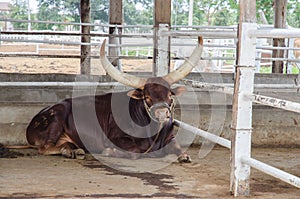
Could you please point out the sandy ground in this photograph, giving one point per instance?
(35, 176)
(57, 65)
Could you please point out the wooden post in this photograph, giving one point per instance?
(242, 103)
(280, 22)
(115, 18)
(85, 60)
(162, 22)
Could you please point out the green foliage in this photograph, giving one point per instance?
(205, 12)
(19, 10)
(294, 18)
(99, 10)
(266, 6)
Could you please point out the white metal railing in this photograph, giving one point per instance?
(219, 52)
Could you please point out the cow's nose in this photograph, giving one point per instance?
(162, 114)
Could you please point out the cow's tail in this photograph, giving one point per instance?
(19, 146)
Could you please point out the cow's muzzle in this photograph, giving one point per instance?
(160, 112)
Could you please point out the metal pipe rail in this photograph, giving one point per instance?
(272, 171)
(205, 34)
(274, 33)
(277, 103)
(228, 88)
(68, 56)
(278, 59)
(214, 87)
(277, 173)
(209, 136)
(76, 23)
(276, 48)
(57, 84)
(70, 33)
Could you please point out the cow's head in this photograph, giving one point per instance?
(156, 92)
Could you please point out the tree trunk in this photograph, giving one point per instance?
(85, 60)
(280, 22)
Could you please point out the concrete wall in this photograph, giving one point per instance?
(206, 109)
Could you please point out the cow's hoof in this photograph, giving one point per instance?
(79, 154)
(184, 158)
(67, 153)
(108, 152)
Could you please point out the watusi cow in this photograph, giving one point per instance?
(133, 124)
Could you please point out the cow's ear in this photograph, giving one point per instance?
(178, 90)
(136, 94)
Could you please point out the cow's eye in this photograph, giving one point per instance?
(148, 99)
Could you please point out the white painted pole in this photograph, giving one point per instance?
(242, 107)
(275, 33)
(242, 130)
(191, 9)
(209, 136)
(163, 48)
(277, 103)
(277, 173)
(215, 87)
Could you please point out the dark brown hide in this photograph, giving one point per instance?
(115, 121)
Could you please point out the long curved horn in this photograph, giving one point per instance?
(129, 80)
(187, 66)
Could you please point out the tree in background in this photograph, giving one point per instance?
(206, 12)
(99, 11)
(19, 10)
(49, 11)
(294, 18)
(138, 12)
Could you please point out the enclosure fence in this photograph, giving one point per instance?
(242, 115)
(136, 42)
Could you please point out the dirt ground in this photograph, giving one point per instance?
(57, 65)
(36, 176)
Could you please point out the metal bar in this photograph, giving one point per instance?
(57, 84)
(228, 88)
(204, 34)
(70, 33)
(75, 23)
(209, 136)
(279, 59)
(48, 42)
(279, 48)
(277, 173)
(75, 43)
(204, 27)
(214, 87)
(277, 103)
(275, 33)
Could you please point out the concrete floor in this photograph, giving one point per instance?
(36, 176)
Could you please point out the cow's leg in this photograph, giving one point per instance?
(64, 146)
(112, 152)
(66, 149)
(49, 149)
(174, 148)
(69, 150)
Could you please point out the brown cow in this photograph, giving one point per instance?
(297, 45)
(130, 124)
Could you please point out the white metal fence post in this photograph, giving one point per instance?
(242, 105)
